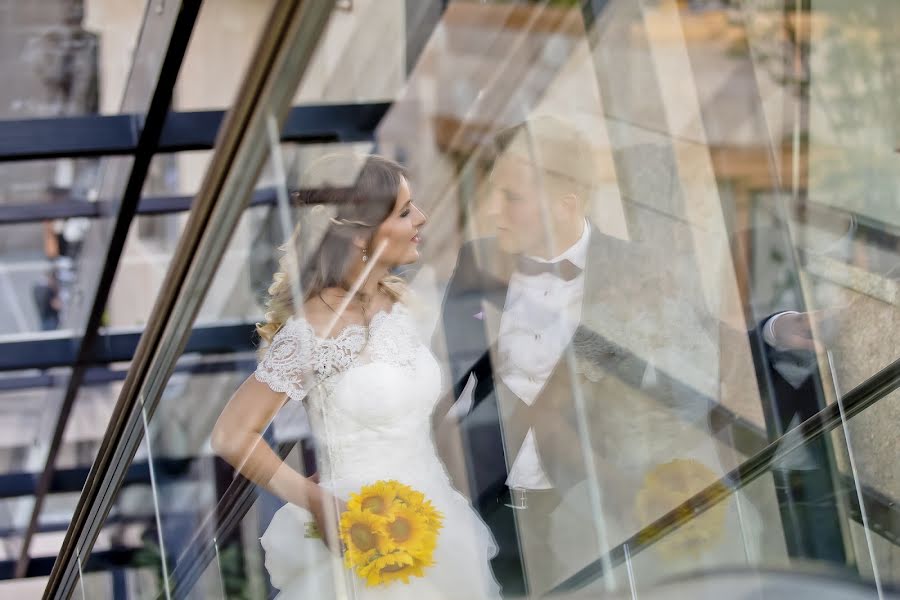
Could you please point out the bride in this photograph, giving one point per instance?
(350, 351)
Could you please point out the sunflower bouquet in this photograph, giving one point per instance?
(669, 485)
(389, 532)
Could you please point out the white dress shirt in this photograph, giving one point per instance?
(539, 319)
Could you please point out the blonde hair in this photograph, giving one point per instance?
(363, 189)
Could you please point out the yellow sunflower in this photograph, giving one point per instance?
(409, 530)
(390, 532)
(396, 566)
(433, 516)
(364, 537)
(376, 498)
(666, 487)
(407, 495)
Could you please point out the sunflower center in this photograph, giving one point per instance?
(392, 568)
(363, 537)
(400, 530)
(374, 504)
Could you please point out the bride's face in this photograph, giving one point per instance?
(399, 233)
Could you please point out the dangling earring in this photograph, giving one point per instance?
(365, 257)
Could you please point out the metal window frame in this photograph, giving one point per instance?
(293, 30)
(147, 143)
(102, 375)
(51, 351)
(117, 135)
(143, 137)
(71, 480)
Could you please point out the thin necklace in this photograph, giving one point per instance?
(362, 306)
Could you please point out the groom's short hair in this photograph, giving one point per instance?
(553, 145)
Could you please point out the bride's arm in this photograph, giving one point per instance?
(237, 438)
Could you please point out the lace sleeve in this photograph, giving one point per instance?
(287, 361)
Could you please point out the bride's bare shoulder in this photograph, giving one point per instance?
(317, 315)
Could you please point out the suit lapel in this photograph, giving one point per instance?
(496, 268)
(587, 345)
(497, 288)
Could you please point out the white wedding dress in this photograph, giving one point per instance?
(369, 393)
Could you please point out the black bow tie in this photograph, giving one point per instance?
(564, 269)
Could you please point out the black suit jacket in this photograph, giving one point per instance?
(593, 381)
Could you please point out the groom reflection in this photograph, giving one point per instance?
(588, 360)
(531, 316)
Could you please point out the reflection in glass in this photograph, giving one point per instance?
(649, 252)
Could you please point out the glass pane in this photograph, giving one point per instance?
(39, 276)
(863, 444)
(48, 60)
(854, 170)
(777, 511)
(132, 37)
(219, 54)
(46, 181)
(606, 283)
(135, 93)
(189, 481)
(361, 58)
(28, 402)
(128, 546)
(152, 242)
(239, 290)
(87, 423)
(146, 52)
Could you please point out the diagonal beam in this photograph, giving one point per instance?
(873, 390)
(147, 144)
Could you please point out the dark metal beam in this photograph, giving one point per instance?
(153, 205)
(147, 146)
(96, 376)
(103, 560)
(111, 135)
(49, 351)
(15, 485)
(38, 139)
(59, 526)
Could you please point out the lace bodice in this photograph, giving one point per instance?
(369, 392)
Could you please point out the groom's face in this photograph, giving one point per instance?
(522, 207)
